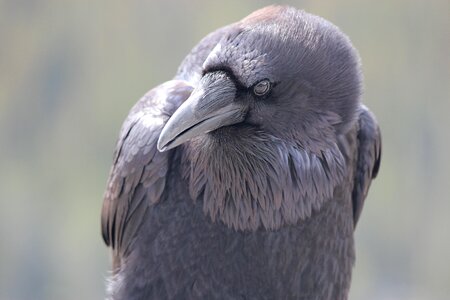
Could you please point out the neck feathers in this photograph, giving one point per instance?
(260, 181)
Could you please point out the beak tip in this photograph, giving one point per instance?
(160, 146)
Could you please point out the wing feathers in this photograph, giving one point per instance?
(369, 157)
(137, 178)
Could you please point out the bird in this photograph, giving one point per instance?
(245, 175)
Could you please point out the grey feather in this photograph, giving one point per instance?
(137, 178)
(255, 196)
(369, 158)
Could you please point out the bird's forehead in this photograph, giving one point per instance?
(264, 45)
(275, 44)
(242, 54)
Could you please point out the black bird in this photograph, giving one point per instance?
(244, 177)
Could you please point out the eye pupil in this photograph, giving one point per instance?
(261, 88)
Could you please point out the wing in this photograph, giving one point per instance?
(138, 175)
(368, 161)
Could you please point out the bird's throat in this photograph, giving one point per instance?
(248, 182)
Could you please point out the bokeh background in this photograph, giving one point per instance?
(71, 70)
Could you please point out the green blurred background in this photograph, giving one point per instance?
(71, 70)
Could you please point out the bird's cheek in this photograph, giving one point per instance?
(255, 115)
(254, 118)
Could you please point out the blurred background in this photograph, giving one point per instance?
(71, 70)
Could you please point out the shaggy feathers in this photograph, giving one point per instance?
(262, 205)
(246, 186)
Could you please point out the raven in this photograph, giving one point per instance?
(245, 175)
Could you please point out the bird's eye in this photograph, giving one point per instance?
(261, 88)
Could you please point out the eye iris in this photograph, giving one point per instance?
(261, 88)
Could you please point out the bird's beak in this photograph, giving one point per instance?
(211, 105)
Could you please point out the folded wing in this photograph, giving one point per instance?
(138, 175)
(368, 162)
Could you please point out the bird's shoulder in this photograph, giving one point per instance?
(138, 174)
(368, 138)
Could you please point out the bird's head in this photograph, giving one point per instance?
(280, 71)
